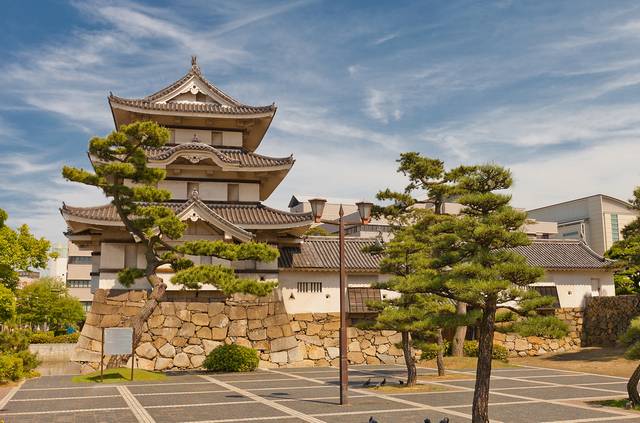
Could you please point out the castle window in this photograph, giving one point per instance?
(191, 187)
(309, 286)
(79, 260)
(216, 138)
(233, 192)
(78, 283)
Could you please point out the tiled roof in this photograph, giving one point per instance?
(360, 296)
(562, 254)
(194, 107)
(317, 253)
(321, 253)
(150, 102)
(238, 214)
(229, 155)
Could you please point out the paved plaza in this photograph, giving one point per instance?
(519, 394)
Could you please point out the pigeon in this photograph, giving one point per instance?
(372, 420)
(445, 420)
(401, 382)
(427, 420)
(367, 383)
(384, 382)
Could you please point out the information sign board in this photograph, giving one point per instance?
(118, 341)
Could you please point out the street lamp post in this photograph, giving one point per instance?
(364, 210)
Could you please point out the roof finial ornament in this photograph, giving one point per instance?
(194, 64)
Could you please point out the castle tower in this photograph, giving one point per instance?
(216, 179)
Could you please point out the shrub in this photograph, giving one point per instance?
(470, 349)
(505, 316)
(631, 338)
(11, 368)
(49, 338)
(14, 340)
(29, 361)
(546, 326)
(232, 358)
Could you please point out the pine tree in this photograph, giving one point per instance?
(121, 171)
(626, 252)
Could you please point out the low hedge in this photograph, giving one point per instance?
(50, 338)
(470, 349)
(232, 358)
(545, 326)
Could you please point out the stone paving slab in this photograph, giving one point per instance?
(577, 379)
(194, 413)
(495, 383)
(530, 372)
(113, 416)
(201, 398)
(383, 416)
(171, 387)
(62, 405)
(66, 393)
(540, 413)
(444, 399)
(312, 391)
(560, 392)
(333, 405)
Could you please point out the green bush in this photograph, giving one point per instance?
(11, 368)
(29, 361)
(631, 338)
(546, 326)
(232, 358)
(15, 340)
(470, 349)
(505, 316)
(50, 338)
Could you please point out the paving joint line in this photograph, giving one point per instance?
(134, 405)
(264, 401)
(4, 401)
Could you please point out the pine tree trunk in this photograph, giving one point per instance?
(440, 356)
(480, 411)
(412, 372)
(154, 298)
(632, 387)
(457, 344)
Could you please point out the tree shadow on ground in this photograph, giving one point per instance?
(589, 354)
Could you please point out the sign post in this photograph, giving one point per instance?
(117, 341)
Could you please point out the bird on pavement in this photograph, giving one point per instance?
(427, 420)
(384, 382)
(445, 420)
(401, 382)
(367, 383)
(372, 420)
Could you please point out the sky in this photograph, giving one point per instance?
(549, 89)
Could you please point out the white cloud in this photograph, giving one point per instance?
(385, 38)
(381, 105)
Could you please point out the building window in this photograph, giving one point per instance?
(573, 234)
(233, 192)
(216, 138)
(615, 228)
(191, 187)
(549, 291)
(79, 283)
(309, 286)
(86, 305)
(79, 259)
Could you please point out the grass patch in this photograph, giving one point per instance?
(119, 375)
(464, 363)
(616, 403)
(399, 389)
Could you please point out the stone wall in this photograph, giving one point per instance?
(606, 318)
(188, 325)
(522, 346)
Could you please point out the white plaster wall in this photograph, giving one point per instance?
(575, 286)
(249, 192)
(232, 139)
(183, 136)
(317, 302)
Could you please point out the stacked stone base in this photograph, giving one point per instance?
(521, 346)
(188, 326)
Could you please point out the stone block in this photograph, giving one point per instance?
(333, 352)
(93, 319)
(313, 329)
(315, 353)
(218, 321)
(159, 342)
(79, 354)
(92, 332)
(254, 324)
(354, 346)
(521, 345)
(274, 332)
(184, 315)
(257, 334)
(99, 308)
(163, 364)
(244, 342)
(286, 330)
(257, 312)
(237, 312)
(197, 360)
(179, 341)
(146, 350)
(198, 306)
(330, 342)
(204, 333)
(167, 350)
(172, 322)
(382, 349)
(332, 326)
(187, 330)
(155, 321)
(373, 360)
(110, 321)
(284, 343)
(386, 359)
(168, 309)
(218, 334)
(215, 308)
(305, 317)
(310, 340)
(371, 351)
(238, 328)
(356, 357)
(181, 360)
(295, 326)
(200, 319)
(194, 341)
(280, 357)
(264, 364)
(352, 332)
(499, 336)
(295, 354)
(193, 349)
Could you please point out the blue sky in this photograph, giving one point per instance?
(547, 88)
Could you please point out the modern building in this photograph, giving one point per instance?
(597, 220)
(78, 275)
(57, 263)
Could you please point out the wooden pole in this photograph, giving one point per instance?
(102, 358)
(344, 363)
(133, 353)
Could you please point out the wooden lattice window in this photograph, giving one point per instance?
(309, 286)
